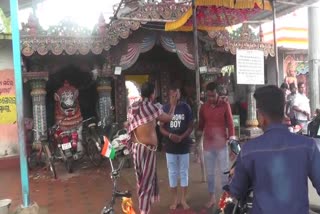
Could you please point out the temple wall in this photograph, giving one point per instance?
(6, 54)
(8, 125)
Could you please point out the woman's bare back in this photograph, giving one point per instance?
(146, 134)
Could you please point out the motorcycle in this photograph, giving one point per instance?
(229, 205)
(115, 135)
(297, 129)
(68, 145)
(118, 143)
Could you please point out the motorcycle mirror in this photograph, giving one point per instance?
(235, 146)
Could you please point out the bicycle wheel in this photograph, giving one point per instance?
(32, 160)
(52, 169)
(49, 160)
(93, 152)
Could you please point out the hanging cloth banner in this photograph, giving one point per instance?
(218, 14)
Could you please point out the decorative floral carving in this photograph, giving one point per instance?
(165, 10)
(246, 39)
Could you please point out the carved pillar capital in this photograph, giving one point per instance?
(38, 87)
(104, 85)
(37, 81)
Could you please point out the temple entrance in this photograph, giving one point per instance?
(159, 67)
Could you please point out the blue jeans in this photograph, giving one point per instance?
(178, 167)
(210, 158)
(317, 142)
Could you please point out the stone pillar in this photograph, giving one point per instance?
(252, 123)
(314, 57)
(105, 104)
(37, 81)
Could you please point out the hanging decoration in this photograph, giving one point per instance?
(218, 14)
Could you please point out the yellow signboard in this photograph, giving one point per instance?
(139, 79)
(8, 113)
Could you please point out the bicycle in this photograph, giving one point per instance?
(41, 153)
(125, 195)
(92, 141)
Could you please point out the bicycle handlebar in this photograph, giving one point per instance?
(121, 164)
(90, 118)
(57, 125)
(115, 172)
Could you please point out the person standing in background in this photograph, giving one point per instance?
(301, 106)
(214, 117)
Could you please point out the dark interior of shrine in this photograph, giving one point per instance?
(82, 80)
(75, 69)
(159, 60)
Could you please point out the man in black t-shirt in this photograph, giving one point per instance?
(177, 145)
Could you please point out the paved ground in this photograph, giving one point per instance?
(88, 188)
(85, 191)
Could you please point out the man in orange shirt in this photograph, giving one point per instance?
(215, 116)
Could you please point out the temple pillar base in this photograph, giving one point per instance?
(32, 209)
(252, 132)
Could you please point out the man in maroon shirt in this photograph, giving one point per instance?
(216, 125)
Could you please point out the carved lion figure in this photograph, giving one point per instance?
(67, 108)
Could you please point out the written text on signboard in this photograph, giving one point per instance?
(250, 67)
